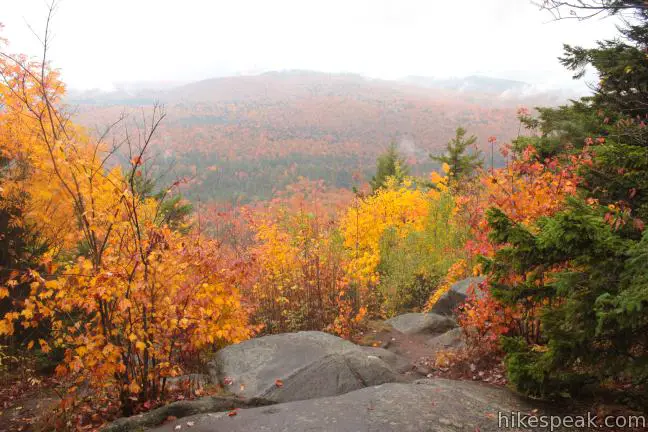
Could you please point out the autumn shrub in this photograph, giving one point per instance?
(583, 266)
(124, 290)
(390, 250)
(135, 321)
(525, 190)
(297, 269)
(413, 267)
(485, 320)
(402, 208)
(400, 241)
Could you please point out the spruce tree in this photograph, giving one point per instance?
(585, 269)
(389, 164)
(462, 165)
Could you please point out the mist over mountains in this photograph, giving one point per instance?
(303, 83)
(243, 138)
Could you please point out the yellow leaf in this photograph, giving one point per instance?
(134, 387)
(52, 284)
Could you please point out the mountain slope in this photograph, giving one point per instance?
(245, 137)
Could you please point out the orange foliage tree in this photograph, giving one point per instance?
(526, 189)
(298, 279)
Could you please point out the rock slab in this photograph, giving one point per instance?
(180, 409)
(456, 296)
(295, 366)
(422, 323)
(426, 405)
(452, 339)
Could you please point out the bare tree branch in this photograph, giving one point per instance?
(587, 9)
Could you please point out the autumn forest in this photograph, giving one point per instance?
(143, 234)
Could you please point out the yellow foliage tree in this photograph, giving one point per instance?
(411, 216)
(139, 295)
(403, 208)
(298, 271)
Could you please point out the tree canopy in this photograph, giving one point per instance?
(389, 164)
(462, 164)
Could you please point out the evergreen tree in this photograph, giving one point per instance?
(593, 323)
(587, 266)
(462, 165)
(389, 164)
(174, 211)
(612, 122)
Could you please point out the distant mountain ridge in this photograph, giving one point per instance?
(244, 137)
(291, 84)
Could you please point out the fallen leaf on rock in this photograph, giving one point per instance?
(232, 413)
(279, 383)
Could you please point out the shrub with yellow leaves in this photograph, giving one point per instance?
(139, 295)
(297, 270)
(396, 206)
(400, 242)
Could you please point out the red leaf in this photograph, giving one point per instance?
(638, 224)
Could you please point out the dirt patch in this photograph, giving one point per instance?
(414, 348)
(25, 402)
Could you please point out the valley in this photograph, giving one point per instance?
(242, 139)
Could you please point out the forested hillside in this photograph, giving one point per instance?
(346, 255)
(243, 138)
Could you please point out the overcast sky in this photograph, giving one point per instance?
(99, 42)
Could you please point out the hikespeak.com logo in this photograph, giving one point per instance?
(520, 420)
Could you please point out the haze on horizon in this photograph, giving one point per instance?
(98, 43)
